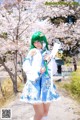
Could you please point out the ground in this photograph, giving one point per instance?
(63, 109)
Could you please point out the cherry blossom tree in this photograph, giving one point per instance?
(12, 44)
(65, 27)
(19, 20)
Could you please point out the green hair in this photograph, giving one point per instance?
(38, 36)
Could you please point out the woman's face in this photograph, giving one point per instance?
(38, 45)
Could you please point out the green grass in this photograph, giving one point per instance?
(73, 87)
(8, 94)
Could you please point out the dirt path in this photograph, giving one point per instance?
(63, 109)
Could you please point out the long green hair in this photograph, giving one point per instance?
(38, 36)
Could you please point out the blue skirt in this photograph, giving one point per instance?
(39, 91)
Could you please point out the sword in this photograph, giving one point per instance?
(52, 55)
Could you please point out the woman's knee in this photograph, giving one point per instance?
(39, 110)
(45, 112)
(40, 114)
(46, 109)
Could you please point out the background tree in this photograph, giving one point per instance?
(11, 43)
(20, 19)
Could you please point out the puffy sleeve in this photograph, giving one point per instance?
(52, 66)
(27, 64)
(32, 65)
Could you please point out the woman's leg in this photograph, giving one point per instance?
(39, 111)
(46, 109)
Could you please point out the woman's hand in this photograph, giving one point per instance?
(32, 52)
(42, 70)
(47, 57)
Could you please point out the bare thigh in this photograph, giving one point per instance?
(46, 108)
(39, 109)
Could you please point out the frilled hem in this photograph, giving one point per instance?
(39, 102)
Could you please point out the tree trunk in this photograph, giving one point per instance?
(24, 77)
(15, 75)
(12, 76)
(1, 90)
(15, 86)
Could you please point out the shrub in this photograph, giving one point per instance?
(74, 86)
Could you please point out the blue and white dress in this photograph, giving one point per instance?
(39, 88)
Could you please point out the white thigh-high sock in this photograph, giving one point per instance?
(45, 118)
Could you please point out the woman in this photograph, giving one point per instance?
(39, 89)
